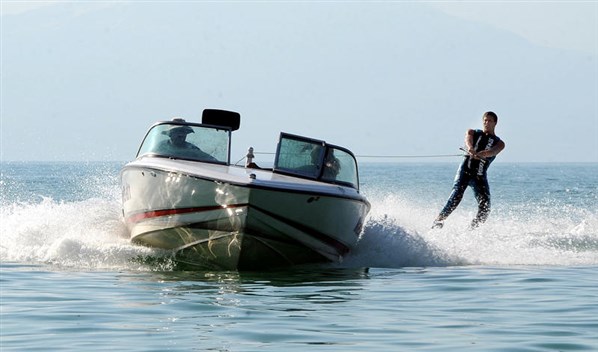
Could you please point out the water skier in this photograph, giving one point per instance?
(482, 148)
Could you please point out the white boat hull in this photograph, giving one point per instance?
(217, 216)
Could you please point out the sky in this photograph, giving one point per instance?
(83, 80)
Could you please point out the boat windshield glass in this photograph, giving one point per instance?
(191, 142)
(340, 166)
(315, 159)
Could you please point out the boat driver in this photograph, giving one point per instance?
(177, 144)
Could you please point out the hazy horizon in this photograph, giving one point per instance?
(83, 81)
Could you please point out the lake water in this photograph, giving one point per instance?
(524, 281)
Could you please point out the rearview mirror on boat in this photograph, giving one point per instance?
(223, 118)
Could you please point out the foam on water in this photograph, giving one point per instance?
(398, 234)
(90, 234)
(86, 234)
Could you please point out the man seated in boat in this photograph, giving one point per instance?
(332, 166)
(177, 144)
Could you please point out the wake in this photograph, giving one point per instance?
(91, 235)
(398, 234)
(86, 235)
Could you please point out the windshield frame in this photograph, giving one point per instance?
(319, 160)
(197, 127)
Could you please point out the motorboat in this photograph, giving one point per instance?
(182, 194)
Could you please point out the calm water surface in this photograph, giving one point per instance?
(525, 281)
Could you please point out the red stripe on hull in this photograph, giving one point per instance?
(165, 212)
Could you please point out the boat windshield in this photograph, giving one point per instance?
(187, 141)
(314, 159)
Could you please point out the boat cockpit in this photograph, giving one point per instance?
(178, 139)
(210, 142)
